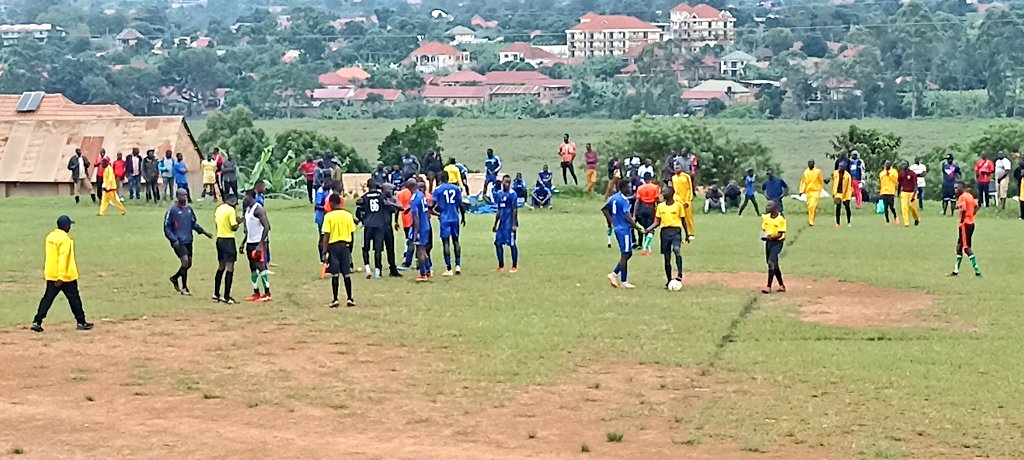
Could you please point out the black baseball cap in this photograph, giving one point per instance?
(64, 221)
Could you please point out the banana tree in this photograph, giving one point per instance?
(275, 174)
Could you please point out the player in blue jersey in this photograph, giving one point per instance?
(506, 223)
(620, 220)
(545, 177)
(421, 235)
(492, 166)
(447, 204)
(519, 186)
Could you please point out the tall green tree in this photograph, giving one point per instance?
(419, 137)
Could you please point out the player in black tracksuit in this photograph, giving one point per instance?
(374, 213)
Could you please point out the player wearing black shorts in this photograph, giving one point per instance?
(336, 238)
(227, 224)
(669, 216)
(375, 214)
(179, 223)
(967, 205)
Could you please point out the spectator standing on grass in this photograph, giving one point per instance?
(856, 167)
(180, 175)
(179, 223)
(209, 167)
(119, 174)
(1018, 175)
(133, 169)
(79, 167)
(749, 196)
(151, 171)
(1003, 169)
(397, 180)
(567, 154)
(60, 270)
(101, 166)
(811, 185)
(410, 164)
(841, 158)
(983, 170)
(774, 188)
(109, 188)
(950, 175)
(433, 165)
(590, 161)
(920, 169)
(229, 176)
(888, 185)
(166, 168)
(614, 175)
(646, 170)
(308, 171)
(842, 191)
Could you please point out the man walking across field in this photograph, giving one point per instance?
(950, 176)
(856, 167)
(110, 190)
(683, 187)
(908, 195)
(567, 153)
(179, 223)
(61, 273)
(967, 206)
(774, 188)
(810, 186)
(79, 167)
(920, 169)
(591, 160)
(888, 183)
(842, 191)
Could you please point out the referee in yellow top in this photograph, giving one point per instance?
(338, 230)
(61, 274)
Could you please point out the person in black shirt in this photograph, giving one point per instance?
(433, 165)
(380, 175)
(375, 214)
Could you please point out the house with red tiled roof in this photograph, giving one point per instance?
(201, 42)
(462, 78)
(456, 96)
(609, 35)
(702, 25)
(514, 77)
(433, 56)
(345, 76)
(524, 52)
(479, 21)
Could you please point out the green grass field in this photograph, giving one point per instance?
(525, 145)
(945, 389)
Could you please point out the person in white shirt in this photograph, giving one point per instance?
(1003, 169)
(920, 169)
(647, 169)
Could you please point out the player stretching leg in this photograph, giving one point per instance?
(447, 201)
(506, 223)
(620, 220)
(773, 233)
(967, 204)
(669, 216)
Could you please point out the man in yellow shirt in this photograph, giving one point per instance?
(842, 191)
(209, 177)
(683, 186)
(454, 173)
(110, 190)
(773, 233)
(61, 273)
(338, 231)
(810, 186)
(888, 180)
(669, 216)
(227, 222)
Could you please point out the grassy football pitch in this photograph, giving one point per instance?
(874, 352)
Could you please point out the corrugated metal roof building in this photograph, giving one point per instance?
(37, 143)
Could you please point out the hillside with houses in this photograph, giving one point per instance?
(765, 59)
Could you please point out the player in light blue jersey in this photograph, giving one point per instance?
(421, 232)
(492, 166)
(506, 223)
(620, 221)
(447, 204)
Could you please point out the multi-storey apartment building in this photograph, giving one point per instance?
(697, 26)
(600, 35)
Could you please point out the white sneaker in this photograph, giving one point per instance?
(458, 270)
(691, 238)
(447, 273)
(614, 280)
(627, 286)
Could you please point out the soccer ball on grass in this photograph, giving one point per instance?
(675, 285)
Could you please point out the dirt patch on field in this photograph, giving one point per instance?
(839, 303)
(221, 387)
